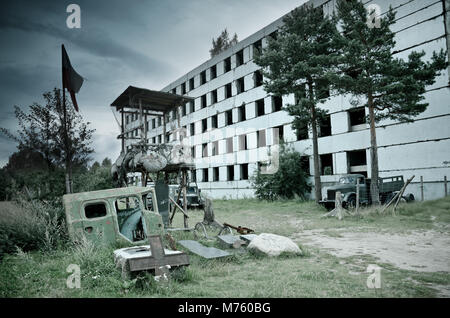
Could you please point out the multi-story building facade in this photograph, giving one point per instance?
(234, 124)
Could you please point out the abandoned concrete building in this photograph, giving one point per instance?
(233, 123)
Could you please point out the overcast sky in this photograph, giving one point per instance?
(120, 43)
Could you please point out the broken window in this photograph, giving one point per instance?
(304, 163)
(228, 91)
(203, 101)
(229, 145)
(243, 142)
(257, 47)
(204, 125)
(216, 174)
(204, 150)
(129, 217)
(325, 126)
(230, 173)
(239, 58)
(244, 171)
(95, 210)
(357, 118)
(277, 103)
(215, 148)
(241, 113)
(191, 107)
(258, 78)
(240, 85)
(278, 135)
(205, 175)
(214, 96)
(229, 117)
(302, 132)
(357, 161)
(227, 65)
(260, 107)
(326, 164)
(202, 77)
(261, 138)
(213, 71)
(214, 121)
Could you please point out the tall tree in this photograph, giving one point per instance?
(41, 130)
(389, 87)
(297, 61)
(222, 43)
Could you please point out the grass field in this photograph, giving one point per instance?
(318, 273)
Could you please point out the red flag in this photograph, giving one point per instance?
(71, 79)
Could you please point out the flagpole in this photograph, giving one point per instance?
(68, 181)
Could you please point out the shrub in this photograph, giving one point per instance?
(289, 181)
(30, 225)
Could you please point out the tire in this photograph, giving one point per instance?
(350, 203)
(409, 197)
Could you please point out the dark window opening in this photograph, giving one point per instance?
(357, 116)
(203, 101)
(205, 175)
(159, 121)
(229, 117)
(277, 103)
(304, 163)
(326, 164)
(154, 140)
(183, 88)
(192, 129)
(202, 77)
(214, 96)
(243, 142)
(278, 135)
(227, 65)
(159, 139)
(244, 171)
(191, 84)
(183, 110)
(261, 138)
(204, 150)
(204, 125)
(258, 78)
(193, 151)
(239, 58)
(240, 85)
(274, 35)
(174, 91)
(95, 210)
(191, 107)
(260, 107)
(215, 148)
(213, 71)
(325, 126)
(228, 92)
(216, 174)
(257, 48)
(230, 173)
(230, 145)
(214, 121)
(302, 132)
(356, 158)
(241, 113)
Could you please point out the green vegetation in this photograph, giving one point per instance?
(288, 181)
(316, 274)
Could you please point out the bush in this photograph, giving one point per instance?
(288, 182)
(30, 225)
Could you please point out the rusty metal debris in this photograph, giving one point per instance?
(239, 229)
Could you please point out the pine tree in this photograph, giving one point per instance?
(390, 87)
(297, 61)
(222, 43)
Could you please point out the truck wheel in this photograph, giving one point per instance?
(351, 203)
(409, 197)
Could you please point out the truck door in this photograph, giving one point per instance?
(98, 225)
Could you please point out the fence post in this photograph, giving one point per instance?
(421, 188)
(445, 185)
(357, 195)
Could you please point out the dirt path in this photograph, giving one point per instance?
(426, 251)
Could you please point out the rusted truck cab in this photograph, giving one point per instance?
(123, 215)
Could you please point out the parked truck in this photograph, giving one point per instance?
(388, 187)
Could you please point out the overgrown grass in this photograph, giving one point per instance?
(316, 274)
